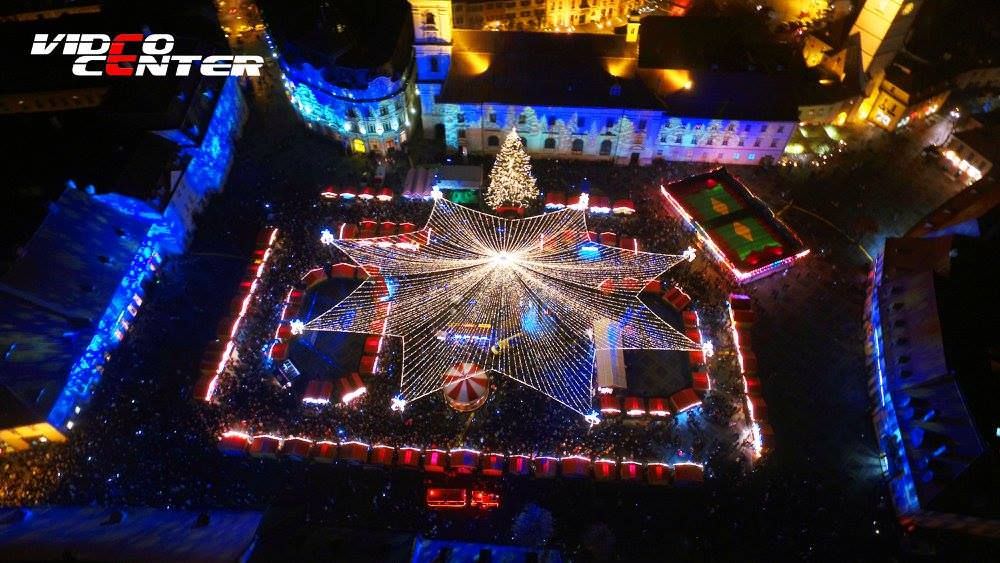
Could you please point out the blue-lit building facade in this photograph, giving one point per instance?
(930, 314)
(73, 295)
(584, 96)
(353, 81)
(591, 97)
(66, 305)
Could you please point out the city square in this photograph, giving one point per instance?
(491, 304)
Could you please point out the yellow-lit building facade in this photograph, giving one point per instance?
(542, 15)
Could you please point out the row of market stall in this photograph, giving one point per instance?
(599, 204)
(612, 404)
(462, 461)
(742, 317)
(365, 193)
(351, 385)
(217, 356)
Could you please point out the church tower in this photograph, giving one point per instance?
(432, 36)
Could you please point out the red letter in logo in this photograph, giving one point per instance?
(115, 56)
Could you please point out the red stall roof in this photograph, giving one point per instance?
(493, 464)
(382, 455)
(434, 460)
(684, 399)
(688, 473)
(544, 466)
(605, 469)
(354, 452)
(324, 451)
(658, 473)
(463, 460)
(575, 466)
(630, 470)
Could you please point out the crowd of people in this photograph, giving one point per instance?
(145, 441)
(251, 399)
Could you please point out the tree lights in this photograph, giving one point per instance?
(519, 297)
(511, 181)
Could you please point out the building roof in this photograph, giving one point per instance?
(983, 140)
(942, 371)
(53, 294)
(915, 76)
(601, 71)
(541, 69)
(978, 202)
(75, 261)
(712, 43)
(371, 36)
(37, 347)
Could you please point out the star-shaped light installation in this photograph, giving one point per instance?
(519, 297)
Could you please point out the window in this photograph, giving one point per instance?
(577, 145)
(550, 143)
(731, 127)
(774, 143)
(756, 142)
(606, 147)
(736, 156)
(428, 19)
(710, 141)
(351, 113)
(725, 142)
(493, 141)
(580, 122)
(461, 118)
(522, 119)
(461, 133)
(383, 110)
(781, 129)
(679, 139)
(642, 125)
(609, 123)
(763, 128)
(434, 64)
(358, 145)
(493, 117)
(751, 156)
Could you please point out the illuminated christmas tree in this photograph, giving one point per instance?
(511, 181)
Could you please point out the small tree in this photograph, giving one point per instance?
(533, 526)
(511, 181)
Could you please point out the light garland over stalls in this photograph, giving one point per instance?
(519, 297)
(511, 181)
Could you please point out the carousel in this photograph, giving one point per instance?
(466, 387)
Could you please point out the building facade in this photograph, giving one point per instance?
(539, 15)
(65, 308)
(475, 86)
(354, 80)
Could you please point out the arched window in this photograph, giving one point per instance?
(550, 143)
(493, 141)
(606, 147)
(577, 145)
(428, 19)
